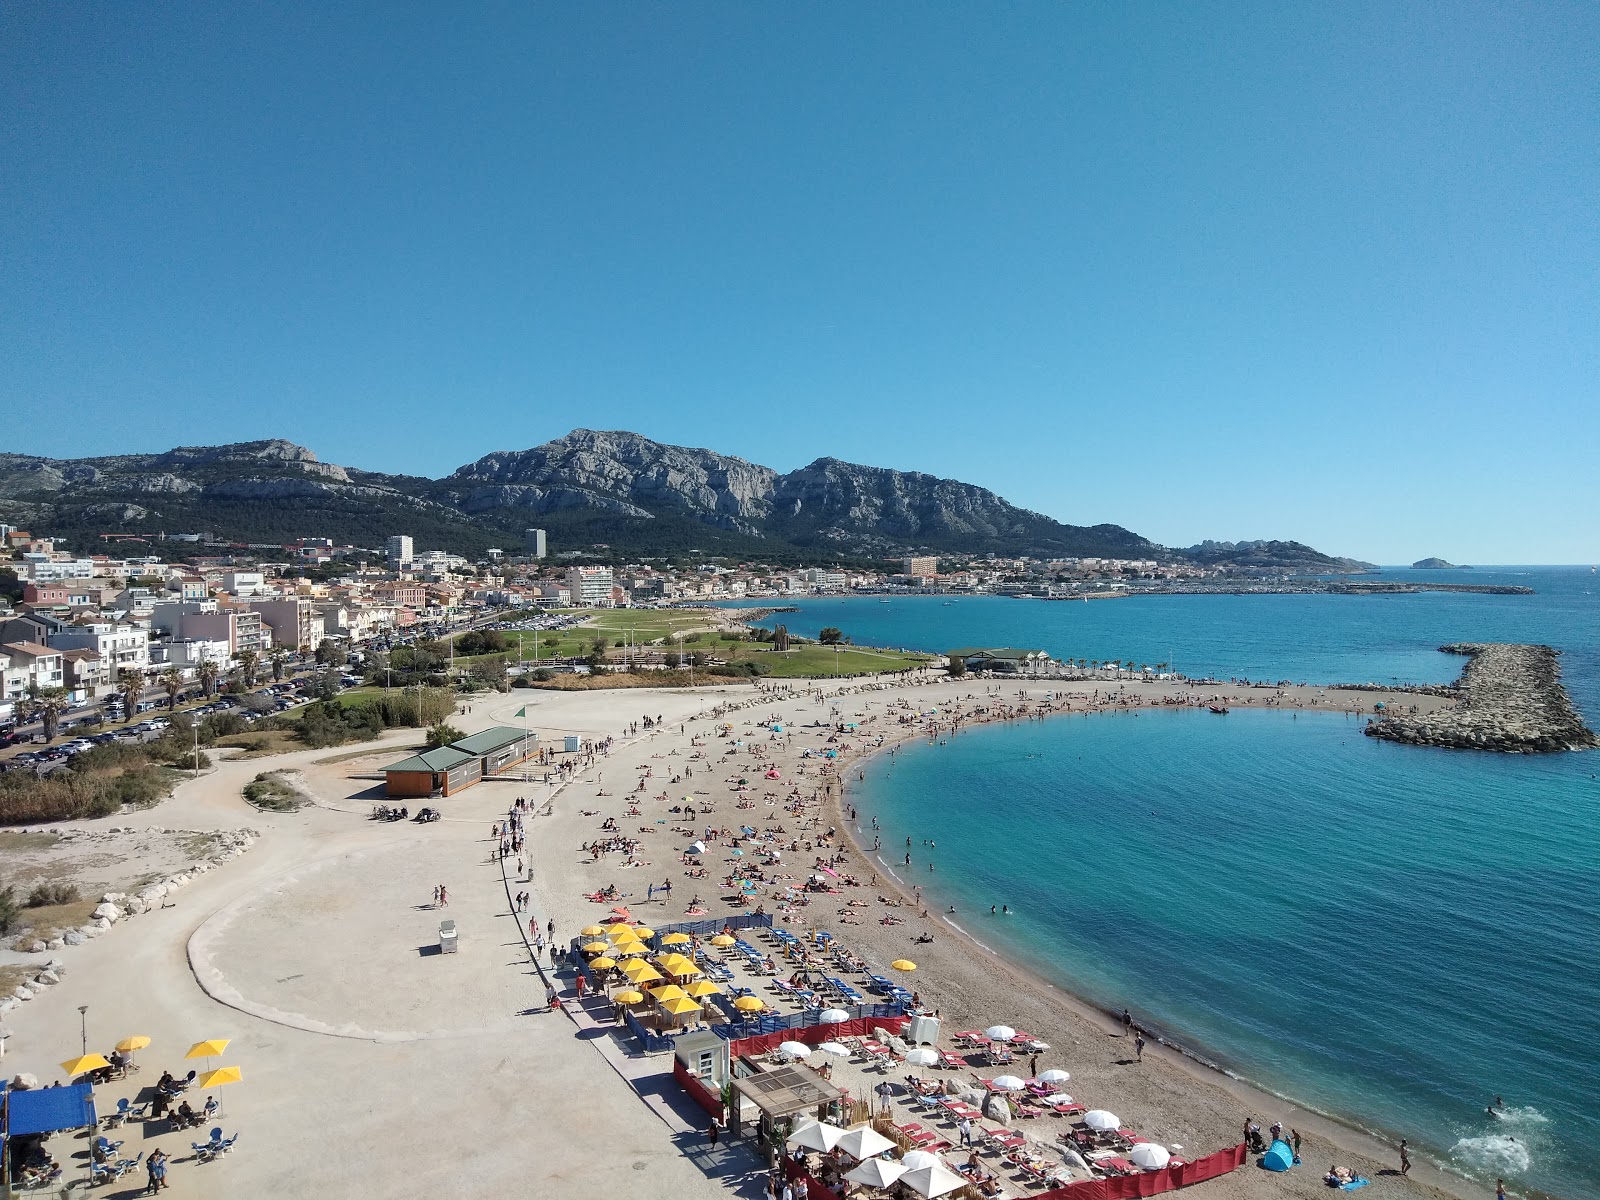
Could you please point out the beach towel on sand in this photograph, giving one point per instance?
(1354, 1184)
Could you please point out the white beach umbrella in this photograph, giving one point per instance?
(876, 1172)
(933, 1181)
(1150, 1156)
(1008, 1083)
(1073, 1158)
(1099, 1118)
(832, 1016)
(837, 1049)
(794, 1050)
(1058, 1098)
(815, 1136)
(922, 1056)
(865, 1142)
(911, 1160)
(1054, 1075)
(1000, 1033)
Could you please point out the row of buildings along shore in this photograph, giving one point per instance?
(80, 621)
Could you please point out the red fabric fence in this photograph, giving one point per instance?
(696, 1089)
(815, 1035)
(1152, 1183)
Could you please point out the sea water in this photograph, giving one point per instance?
(1392, 934)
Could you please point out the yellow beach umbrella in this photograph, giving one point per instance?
(619, 928)
(602, 963)
(680, 1008)
(645, 974)
(89, 1062)
(208, 1049)
(137, 1042)
(677, 961)
(671, 992)
(630, 949)
(642, 932)
(723, 939)
(903, 964)
(219, 1077)
(703, 987)
(591, 931)
(676, 939)
(628, 997)
(749, 1004)
(596, 947)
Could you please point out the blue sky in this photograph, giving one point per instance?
(1324, 272)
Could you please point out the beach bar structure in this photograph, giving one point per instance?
(448, 769)
(781, 1092)
(1005, 661)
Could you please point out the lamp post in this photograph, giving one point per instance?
(83, 1020)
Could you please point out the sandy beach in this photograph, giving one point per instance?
(359, 1045)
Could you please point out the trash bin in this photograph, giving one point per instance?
(447, 937)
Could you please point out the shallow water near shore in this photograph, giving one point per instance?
(1386, 938)
(1392, 934)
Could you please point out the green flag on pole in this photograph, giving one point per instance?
(523, 711)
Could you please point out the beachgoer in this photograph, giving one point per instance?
(1127, 1022)
(1499, 1189)
(1138, 1050)
(966, 1131)
(1294, 1141)
(444, 897)
(711, 1132)
(156, 1167)
(1405, 1158)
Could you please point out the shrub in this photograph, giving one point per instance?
(271, 790)
(46, 894)
(443, 734)
(9, 908)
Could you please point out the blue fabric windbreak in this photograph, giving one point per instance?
(47, 1110)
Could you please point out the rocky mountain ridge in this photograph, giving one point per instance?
(615, 488)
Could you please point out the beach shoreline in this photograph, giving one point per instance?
(1345, 1138)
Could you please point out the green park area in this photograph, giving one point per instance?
(693, 631)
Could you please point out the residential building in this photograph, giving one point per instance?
(294, 622)
(591, 586)
(408, 595)
(241, 628)
(535, 542)
(86, 672)
(244, 583)
(922, 566)
(122, 647)
(31, 667)
(399, 553)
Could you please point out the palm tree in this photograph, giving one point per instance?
(249, 662)
(278, 658)
(47, 704)
(208, 677)
(172, 684)
(131, 685)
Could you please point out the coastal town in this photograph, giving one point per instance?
(772, 1010)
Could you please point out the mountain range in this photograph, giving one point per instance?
(620, 491)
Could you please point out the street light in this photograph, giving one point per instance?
(83, 1019)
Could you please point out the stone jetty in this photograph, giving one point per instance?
(1510, 700)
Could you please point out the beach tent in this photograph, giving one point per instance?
(1280, 1157)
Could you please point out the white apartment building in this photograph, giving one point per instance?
(121, 647)
(30, 666)
(399, 551)
(42, 569)
(591, 586)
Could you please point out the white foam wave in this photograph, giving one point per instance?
(1526, 1115)
(1497, 1154)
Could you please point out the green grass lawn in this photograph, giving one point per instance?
(814, 661)
(646, 625)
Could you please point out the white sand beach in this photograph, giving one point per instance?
(372, 1063)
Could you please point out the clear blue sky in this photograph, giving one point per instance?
(1223, 270)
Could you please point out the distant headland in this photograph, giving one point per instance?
(1436, 564)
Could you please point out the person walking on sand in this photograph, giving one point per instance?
(1499, 1189)
(712, 1131)
(1138, 1046)
(1405, 1158)
(1127, 1022)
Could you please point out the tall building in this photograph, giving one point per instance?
(535, 539)
(922, 567)
(590, 586)
(399, 552)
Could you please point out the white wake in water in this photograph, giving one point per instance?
(1509, 1150)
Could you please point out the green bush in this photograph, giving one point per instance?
(46, 894)
(9, 908)
(271, 790)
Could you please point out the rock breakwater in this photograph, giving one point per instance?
(1511, 700)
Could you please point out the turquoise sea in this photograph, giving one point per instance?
(1391, 934)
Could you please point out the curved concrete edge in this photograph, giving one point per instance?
(206, 938)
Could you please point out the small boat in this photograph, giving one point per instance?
(1220, 709)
